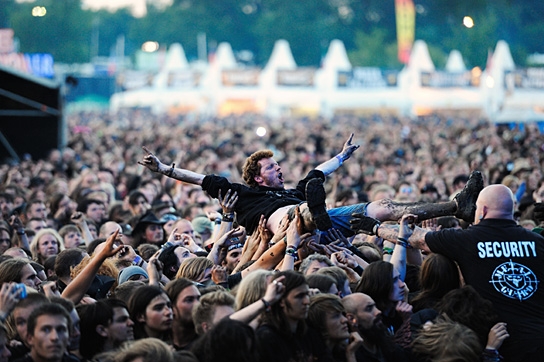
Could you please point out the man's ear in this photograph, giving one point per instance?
(102, 331)
(258, 179)
(30, 339)
(352, 319)
(205, 327)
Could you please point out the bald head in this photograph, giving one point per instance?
(363, 309)
(108, 228)
(495, 202)
(353, 301)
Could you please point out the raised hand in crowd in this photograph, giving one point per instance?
(293, 240)
(79, 220)
(10, 295)
(497, 334)
(264, 238)
(50, 289)
(348, 263)
(431, 224)
(228, 202)
(81, 283)
(215, 254)
(281, 232)
(219, 274)
(16, 224)
(154, 269)
(274, 291)
(151, 161)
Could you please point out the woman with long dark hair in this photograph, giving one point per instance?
(151, 311)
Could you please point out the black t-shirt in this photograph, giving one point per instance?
(65, 358)
(256, 201)
(274, 346)
(505, 264)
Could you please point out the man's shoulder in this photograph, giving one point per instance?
(26, 358)
(68, 357)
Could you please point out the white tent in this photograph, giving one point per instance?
(334, 61)
(224, 57)
(175, 61)
(336, 57)
(455, 63)
(420, 59)
(281, 58)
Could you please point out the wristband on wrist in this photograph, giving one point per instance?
(228, 217)
(170, 172)
(218, 221)
(291, 251)
(267, 306)
(167, 244)
(21, 231)
(340, 159)
(388, 251)
(403, 242)
(358, 269)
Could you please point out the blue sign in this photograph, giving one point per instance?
(40, 64)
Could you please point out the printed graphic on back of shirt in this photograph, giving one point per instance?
(514, 280)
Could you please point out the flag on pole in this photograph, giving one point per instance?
(406, 23)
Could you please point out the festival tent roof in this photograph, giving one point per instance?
(175, 61)
(224, 57)
(334, 61)
(281, 57)
(420, 58)
(502, 58)
(455, 63)
(336, 57)
(175, 58)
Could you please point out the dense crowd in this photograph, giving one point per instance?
(165, 237)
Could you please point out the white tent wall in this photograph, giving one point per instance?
(325, 97)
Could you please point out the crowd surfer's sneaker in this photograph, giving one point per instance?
(315, 199)
(466, 199)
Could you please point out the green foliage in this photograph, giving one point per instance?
(367, 28)
(63, 31)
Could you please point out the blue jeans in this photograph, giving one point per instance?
(340, 217)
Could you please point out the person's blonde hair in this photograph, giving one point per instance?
(148, 349)
(194, 268)
(447, 341)
(510, 180)
(204, 311)
(34, 245)
(252, 288)
(107, 268)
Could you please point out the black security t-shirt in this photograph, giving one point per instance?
(505, 264)
(261, 200)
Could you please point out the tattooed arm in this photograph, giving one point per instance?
(416, 240)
